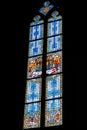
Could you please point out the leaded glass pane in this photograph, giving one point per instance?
(55, 19)
(36, 32)
(46, 7)
(53, 112)
(35, 47)
(36, 20)
(54, 43)
(55, 28)
(32, 115)
(33, 90)
(54, 86)
(34, 67)
(54, 63)
(36, 23)
(55, 16)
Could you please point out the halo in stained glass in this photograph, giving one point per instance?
(32, 115)
(46, 8)
(35, 48)
(54, 63)
(54, 43)
(53, 112)
(54, 28)
(34, 67)
(54, 86)
(33, 90)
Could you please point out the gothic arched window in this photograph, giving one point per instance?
(43, 94)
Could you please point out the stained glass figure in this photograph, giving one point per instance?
(54, 63)
(54, 28)
(33, 91)
(53, 113)
(54, 43)
(36, 32)
(35, 48)
(34, 67)
(32, 115)
(46, 8)
(54, 86)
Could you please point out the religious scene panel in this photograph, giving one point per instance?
(54, 63)
(34, 67)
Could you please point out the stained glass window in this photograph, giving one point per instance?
(54, 43)
(53, 112)
(36, 32)
(54, 63)
(32, 111)
(46, 7)
(53, 99)
(34, 67)
(55, 24)
(54, 28)
(35, 48)
(36, 29)
(32, 115)
(54, 86)
(44, 81)
(33, 91)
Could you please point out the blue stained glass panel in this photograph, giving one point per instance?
(35, 48)
(32, 115)
(54, 63)
(36, 32)
(53, 113)
(55, 28)
(33, 91)
(54, 43)
(34, 67)
(53, 86)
